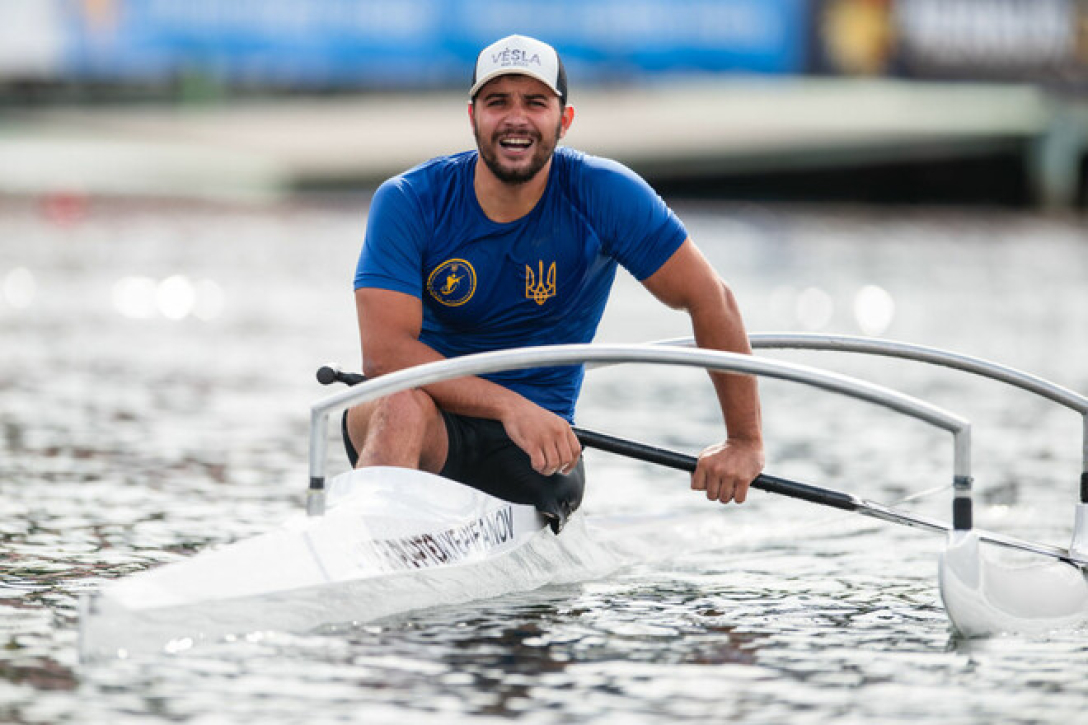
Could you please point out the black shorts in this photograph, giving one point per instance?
(482, 456)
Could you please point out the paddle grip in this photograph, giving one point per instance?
(329, 374)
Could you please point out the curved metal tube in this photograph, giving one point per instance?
(610, 354)
(922, 353)
(966, 363)
(932, 355)
(908, 351)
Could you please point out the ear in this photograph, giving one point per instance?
(566, 120)
(472, 114)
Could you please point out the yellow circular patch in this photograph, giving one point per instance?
(453, 282)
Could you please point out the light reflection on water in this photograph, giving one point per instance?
(131, 442)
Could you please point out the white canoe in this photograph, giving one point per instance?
(392, 540)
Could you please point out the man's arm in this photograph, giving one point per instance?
(389, 327)
(687, 281)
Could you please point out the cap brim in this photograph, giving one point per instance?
(496, 72)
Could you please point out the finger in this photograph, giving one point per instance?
(698, 480)
(740, 493)
(726, 491)
(715, 491)
(552, 460)
(538, 460)
(713, 486)
(574, 448)
(708, 480)
(561, 453)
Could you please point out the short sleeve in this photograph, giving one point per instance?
(391, 257)
(639, 230)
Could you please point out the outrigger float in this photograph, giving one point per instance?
(382, 541)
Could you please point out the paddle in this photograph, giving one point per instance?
(814, 494)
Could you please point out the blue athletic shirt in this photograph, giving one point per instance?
(540, 280)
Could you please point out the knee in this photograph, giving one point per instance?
(396, 430)
(408, 410)
(408, 407)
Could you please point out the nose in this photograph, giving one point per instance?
(516, 115)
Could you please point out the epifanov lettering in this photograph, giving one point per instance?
(424, 550)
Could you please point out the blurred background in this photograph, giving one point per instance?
(946, 101)
(184, 187)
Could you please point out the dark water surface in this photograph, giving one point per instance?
(155, 376)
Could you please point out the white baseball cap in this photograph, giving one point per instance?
(521, 55)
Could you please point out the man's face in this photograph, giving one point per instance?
(517, 121)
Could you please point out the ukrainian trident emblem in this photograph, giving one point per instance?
(539, 288)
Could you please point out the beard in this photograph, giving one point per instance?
(508, 175)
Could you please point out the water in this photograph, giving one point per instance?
(156, 374)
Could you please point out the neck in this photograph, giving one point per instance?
(503, 202)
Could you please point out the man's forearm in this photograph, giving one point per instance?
(718, 325)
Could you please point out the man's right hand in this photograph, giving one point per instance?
(545, 437)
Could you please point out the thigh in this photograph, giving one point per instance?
(402, 429)
(481, 455)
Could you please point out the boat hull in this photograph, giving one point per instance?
(984, 597)
(392, 539)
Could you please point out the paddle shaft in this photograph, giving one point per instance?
(684, 462)
(814, 494)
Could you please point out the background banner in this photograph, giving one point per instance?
(399, 43)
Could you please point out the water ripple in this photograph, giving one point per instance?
(128, 443)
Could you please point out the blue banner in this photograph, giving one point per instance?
(421, 43)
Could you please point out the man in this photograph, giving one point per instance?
(511, 245)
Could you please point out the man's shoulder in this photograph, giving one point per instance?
(446, 164)
(580, 161)
(426, 184)
(583, 168)
(436, 171)
(601, 185)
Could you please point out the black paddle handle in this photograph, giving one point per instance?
(329, 374)
(684, 462)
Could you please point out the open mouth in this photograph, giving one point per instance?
(516, 143)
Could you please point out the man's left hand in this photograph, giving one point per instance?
(726, 470)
